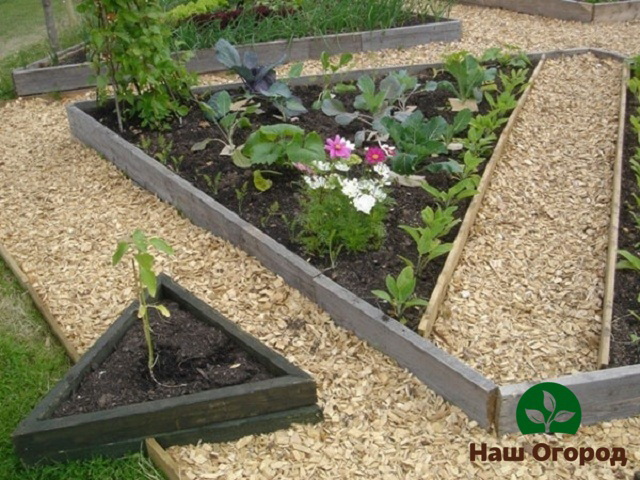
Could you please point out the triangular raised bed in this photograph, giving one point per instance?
(216, 415)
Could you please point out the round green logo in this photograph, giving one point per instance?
(548, 408)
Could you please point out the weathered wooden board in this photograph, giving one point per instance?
(604, 395)
(616, 11)
(443, 373)
(440, 291)
(37, 78)
(563, 9)
(40, 438)
(568, 9)
(614, 225)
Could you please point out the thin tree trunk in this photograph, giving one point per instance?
(51, 26)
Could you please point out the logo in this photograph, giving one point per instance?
(548, 408)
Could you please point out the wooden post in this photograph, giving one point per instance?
(50, 23)
(612, 249)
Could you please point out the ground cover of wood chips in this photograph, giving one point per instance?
(62, 209)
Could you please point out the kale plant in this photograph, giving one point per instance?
(260, 79)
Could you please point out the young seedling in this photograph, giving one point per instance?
(462, 189)
(428, 238)
(145, 282)
(241, 194)
(329, 69)
(400, 293)
(469, 77)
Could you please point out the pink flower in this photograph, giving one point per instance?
(304, 168)
(339, 147)
(375, 155)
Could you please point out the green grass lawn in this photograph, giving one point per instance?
(23, 37)
(31, 361)
(22, 23)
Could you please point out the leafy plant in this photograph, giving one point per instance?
(417, 139)
(371, 104)
(280, 144)
(464, 188)
(468, 74)
(630, 261)
(130, 49)
(145, 281)
(219, 111)
(500, 105)
(273, 209)
(260, 79)
(241, 194)
(329, 222)
(213, 183)
(428, 238)
(256, 78)
(186, 10)
(510, 57)
(329, 69)
(400, 293)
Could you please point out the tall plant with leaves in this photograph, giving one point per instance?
(145, 281)
(130, 49)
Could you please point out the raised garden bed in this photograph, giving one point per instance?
(483, 400)
(620, 323)
(250, 390)
(603, 12)
(41, 77)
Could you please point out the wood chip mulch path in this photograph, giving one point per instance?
(62, 209)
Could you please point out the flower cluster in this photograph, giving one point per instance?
(363, 192)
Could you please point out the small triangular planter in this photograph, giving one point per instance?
(217, 415)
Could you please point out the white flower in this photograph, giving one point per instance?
(340, 166)
(350, 187)
(364, 203)
(383, 170)
(322, 166)
(378, 193)
(315, 182)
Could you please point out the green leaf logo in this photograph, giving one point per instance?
(548, 408)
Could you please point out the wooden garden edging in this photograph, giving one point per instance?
(614, 224)
(440, 291)
(215, 415)
(157, 454)
(41, 77)
(568, 9)
(479, 397)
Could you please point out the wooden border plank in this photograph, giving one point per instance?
(614, 225)
(440, 291)
(445, 374)
(562, 9)
(616, 11)
(42, 307)
(31, 81)
(603, 394)
(162, 460)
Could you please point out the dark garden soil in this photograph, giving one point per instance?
(358, 272)
(627, 282)
(193, 356)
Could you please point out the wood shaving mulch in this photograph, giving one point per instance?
(525, 302)
(62, 209)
